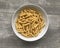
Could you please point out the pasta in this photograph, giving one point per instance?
(29, 22)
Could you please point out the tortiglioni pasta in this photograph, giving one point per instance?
(29, 22)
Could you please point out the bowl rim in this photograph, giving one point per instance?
(37, 36)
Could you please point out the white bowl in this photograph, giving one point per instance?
(44, 30)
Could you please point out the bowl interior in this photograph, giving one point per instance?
(41, 34)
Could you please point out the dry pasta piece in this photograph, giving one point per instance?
(20, 30)
(18, 26)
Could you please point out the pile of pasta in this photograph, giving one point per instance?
(29, 22)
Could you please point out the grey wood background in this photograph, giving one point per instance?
(9, 40)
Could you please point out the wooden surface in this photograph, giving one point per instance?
(9, 40)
